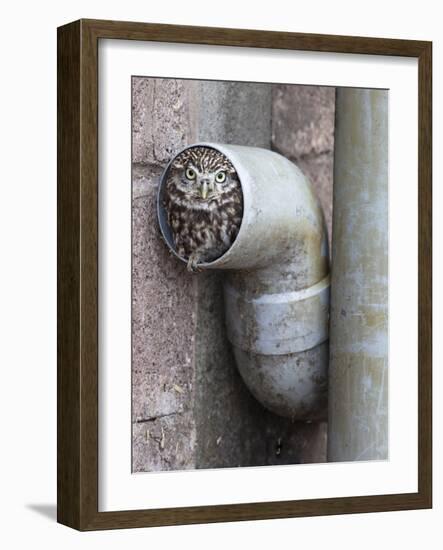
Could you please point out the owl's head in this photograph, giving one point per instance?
(203, 174)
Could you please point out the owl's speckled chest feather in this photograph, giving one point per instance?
(208, 229)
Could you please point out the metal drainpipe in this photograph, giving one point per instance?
(276, 285)
(358, 375)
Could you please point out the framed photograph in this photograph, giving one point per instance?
(244, 275)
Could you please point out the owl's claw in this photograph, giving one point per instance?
(192, 265)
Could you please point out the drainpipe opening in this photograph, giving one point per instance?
(163, 218)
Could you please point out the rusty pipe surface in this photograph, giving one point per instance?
(276, 284)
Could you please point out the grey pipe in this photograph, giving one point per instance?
(276, 285)
(358, 384)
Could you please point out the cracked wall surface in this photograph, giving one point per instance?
(190, 406)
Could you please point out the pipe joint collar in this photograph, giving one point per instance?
(278, 324)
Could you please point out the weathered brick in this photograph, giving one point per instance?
(190, 407)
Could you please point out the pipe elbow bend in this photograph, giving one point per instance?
(276, 284)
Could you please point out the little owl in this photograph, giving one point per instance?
(204, 204)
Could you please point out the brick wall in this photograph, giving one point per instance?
(190, 406)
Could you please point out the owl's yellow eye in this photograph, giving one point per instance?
(190, 174)
(220, 177)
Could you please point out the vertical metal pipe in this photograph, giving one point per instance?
(358, 370)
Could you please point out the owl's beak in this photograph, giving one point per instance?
(204, 189)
